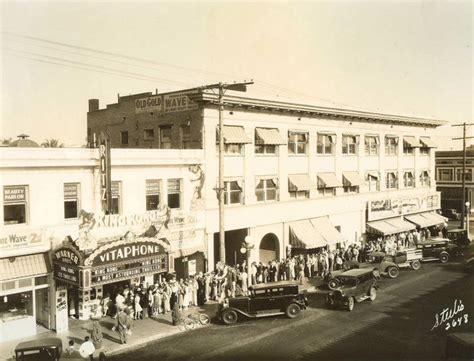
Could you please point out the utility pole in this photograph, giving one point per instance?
(464, 138)
(222, 87)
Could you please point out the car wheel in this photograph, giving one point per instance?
(444, 257)
(393, 272)
(350, 304)
(189, 324)
(416, 265)
(204, 319)
(229, 317)
(293, 310)
(372, 293)
(333, 284)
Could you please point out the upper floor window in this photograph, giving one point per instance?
(15, 204)
(266, 190)
(425, 180)
(185, 136)
(468, 177)
(165, 137)
(445, 174)
(148, 134)
(233, 192)
(426, 145)
(297, 142)
(349, 144)
(326, 143)
(409, 145)
(351, 182)
(174, 193)
(124, 137)
(153, 194)
(234, 139)
(391, 145)
(71, 200)
(299, 186)
(371, 145)
(116, 188)
(267, 141)
(408, 179)
(372, 180)
(391, 180)
(327, 184)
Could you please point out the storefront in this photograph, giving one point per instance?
(393, 216)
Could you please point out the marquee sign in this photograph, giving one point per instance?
(105, 173)
(66, 262)
(386, 208)
(166, 103)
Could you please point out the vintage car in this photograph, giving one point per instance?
(459, 237)
(439, 249)
(355, 285)
(44, 349)
(264, 299)
(451, 213)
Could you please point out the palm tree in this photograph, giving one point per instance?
(52, 143)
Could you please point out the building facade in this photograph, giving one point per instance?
(296, 176)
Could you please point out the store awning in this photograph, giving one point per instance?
(427, 142)
(269, 136)
(435, 217)
(235, 135)
(304, 235)
(374, 175)
(23, 266)
(401, 224)
(329, 179)
(419, 220)
(353, 178)
(323, 226)
(381, 227)
(299, 182)
(412, 141)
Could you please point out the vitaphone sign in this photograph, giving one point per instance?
(127, 252)
(167, 103)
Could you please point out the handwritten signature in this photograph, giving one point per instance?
(447, 318)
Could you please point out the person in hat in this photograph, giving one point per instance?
(87, 349)
(124, 324)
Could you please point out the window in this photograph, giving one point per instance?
(185, 136)
(392, 181)
(468, 177)
(391, 145)
(297, 142)
(71, 200)
(424, 151)
(17, 305)
(267, 141)
(408, 179)
(232, 192)
(234, 140)
(372, 181)
(124, 137)
(407, 148)
(165, 137)
(349, 144)
(116, 188)
(299, 186)
(148, 134)
(445, 174)
(266, 190)
(174, 193)
(153, 194)
(326, 143)
(324, 190)
(371, 145)
(233, 149)
(15, 203)
(425, 178)
(299, 194)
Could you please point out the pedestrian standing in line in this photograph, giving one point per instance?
(87, 349)
(124, 324)
(301, 271)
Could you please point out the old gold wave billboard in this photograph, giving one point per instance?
(166, 103)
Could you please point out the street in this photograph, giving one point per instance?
(396, 326)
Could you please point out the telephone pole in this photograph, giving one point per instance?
(222, 87)
(464, 138)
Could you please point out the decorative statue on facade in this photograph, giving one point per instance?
(197, 179)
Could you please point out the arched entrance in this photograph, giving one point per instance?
(269, 248)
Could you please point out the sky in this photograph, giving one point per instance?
(410, 58)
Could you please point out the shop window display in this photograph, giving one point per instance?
(16, 305)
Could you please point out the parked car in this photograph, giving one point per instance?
(44, 349)
(264, 299)
(439, 249)
(355, 285)
(459, 237)
(451, 214)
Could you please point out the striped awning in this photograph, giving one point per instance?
(353, 178)
(427, 142)
(23, 266)
(235, 135)
(419, 220)
(412, 141)
(381, 227)
(401, 224)
(435, 217)
(268, 136)
(304, 235)
(327, 230)
(329, 180)
(299, 182)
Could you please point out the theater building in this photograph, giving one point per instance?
(297, 177)
(60, 253)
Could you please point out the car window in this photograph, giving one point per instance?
(260, 293)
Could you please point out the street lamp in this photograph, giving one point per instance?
(245, 249)
(468, 211)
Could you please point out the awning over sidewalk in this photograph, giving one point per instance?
(390, 226)
(353, 178)
(235, 135)
(327, 230)
(435, 217)
(330, 180)
(426, 219)
(401, 224)
(304, 235)
(23, 266)
(269, 136)
(299, 182)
